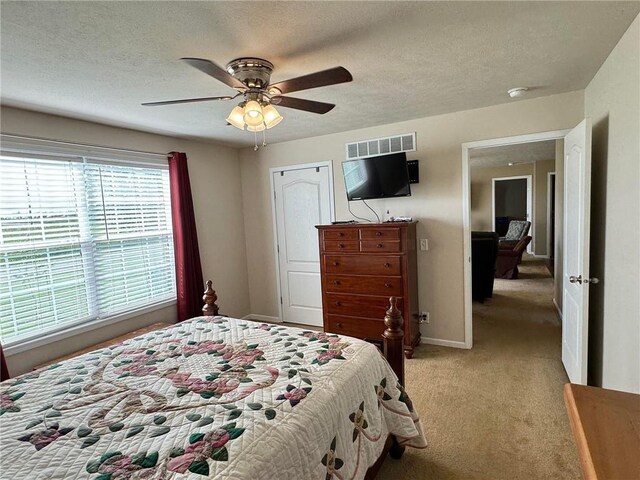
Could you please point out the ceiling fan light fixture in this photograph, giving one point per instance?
(253, 115)
(271, 116)
(257, 128)
(236, 117)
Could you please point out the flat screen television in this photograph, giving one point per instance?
(377, 177)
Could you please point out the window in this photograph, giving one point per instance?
(80, 240)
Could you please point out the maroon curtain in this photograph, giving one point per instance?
(4, 371)
(189, 281)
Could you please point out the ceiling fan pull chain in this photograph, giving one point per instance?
(255, 141)
(264, 138)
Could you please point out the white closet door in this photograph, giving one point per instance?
(302, 201)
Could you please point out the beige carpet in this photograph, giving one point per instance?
(496, 411)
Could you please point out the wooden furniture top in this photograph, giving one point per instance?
(606, 427)
(365, 225)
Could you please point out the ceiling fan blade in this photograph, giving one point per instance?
(215, 71)
(187, 100)
(302, 104)
(331, 76)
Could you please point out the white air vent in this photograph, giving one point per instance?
(381, 146)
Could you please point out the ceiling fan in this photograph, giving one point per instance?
(250, 77)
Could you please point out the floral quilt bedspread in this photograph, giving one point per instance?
(213, 397)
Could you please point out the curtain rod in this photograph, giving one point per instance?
(102, 147)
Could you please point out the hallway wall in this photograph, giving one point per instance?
(541, 169)
(612, 100)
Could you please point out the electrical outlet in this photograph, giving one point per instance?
(424, 244)
(424, 317)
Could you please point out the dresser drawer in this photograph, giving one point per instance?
(380, 233)
(367, 285)
(340, 246)
(363, 265)
(341, 234)
(358, 305)
(373, 246)
(355, 327)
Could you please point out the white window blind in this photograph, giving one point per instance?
(80, 240)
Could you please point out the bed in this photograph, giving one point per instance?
(213, 397)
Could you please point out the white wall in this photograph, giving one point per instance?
(215, 181)
(436, 202)
(612, 100)
(540, 207)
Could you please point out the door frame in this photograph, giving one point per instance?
(549, 219)
(529, 179)
(466, 210)
(274, 226)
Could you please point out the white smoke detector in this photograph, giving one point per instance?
(517, 92)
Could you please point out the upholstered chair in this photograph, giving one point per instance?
(508, 260)
(518, 229)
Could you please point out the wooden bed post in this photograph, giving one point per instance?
(210, 308)
(392, 339)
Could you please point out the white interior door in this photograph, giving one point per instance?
(575, 282)
(302, 201)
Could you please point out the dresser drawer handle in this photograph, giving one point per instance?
(380, 245)
(340, 234)
(388, 285)
(378, 234)
(387, 264)
(341, 245)
(339, 325)
(336, 282)
(338, 304)
(335, 264)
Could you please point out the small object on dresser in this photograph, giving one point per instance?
(400, 218)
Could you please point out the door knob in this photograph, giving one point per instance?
(579, 280)
(380, 245)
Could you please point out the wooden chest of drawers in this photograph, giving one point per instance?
(362, 265)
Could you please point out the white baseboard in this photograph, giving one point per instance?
(443, 343)
(261, 318)
(558, 309)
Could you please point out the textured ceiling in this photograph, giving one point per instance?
(99, 60)
(516, 154)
